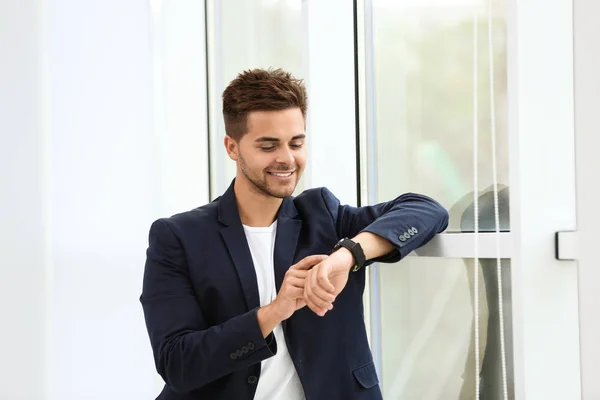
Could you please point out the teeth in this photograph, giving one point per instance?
(282, 175)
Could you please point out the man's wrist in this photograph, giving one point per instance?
(345, 256)
(268, 318)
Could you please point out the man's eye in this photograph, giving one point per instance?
(269, 148)
(296, 146)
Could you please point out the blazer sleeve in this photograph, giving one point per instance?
(189, 353)
(407, 222)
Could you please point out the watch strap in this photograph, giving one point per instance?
(356, 250)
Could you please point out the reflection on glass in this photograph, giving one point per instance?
(428, 336)
(424, 94)
(249, 34)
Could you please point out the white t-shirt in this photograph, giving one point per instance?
(278, 377)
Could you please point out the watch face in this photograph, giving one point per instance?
(339, 244)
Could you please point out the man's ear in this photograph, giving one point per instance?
(231, 146)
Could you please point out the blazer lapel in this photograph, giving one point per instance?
(286, 239)
(235, 239)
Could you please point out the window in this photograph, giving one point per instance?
(427, 326)
(424, 89)
(427, 95)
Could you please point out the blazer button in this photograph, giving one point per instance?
(252, 380)
(251, 346)
(244, 349)
(232, 356)
(239, 353)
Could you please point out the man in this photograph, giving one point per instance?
(258, 295)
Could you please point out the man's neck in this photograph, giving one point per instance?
(256, 208)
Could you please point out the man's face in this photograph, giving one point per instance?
(272, 154)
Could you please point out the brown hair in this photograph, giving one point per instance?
(260, 90)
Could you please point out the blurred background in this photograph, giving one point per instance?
(110, 117)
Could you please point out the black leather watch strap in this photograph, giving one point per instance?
(355, 249)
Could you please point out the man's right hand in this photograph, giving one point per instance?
(290, 297)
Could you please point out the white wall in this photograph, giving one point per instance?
(104, 191)
(103, 129)
(587, 97)
(22, 203)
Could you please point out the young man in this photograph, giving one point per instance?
(258, 295)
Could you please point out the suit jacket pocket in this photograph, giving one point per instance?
(366, 375)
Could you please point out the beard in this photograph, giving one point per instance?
(259, 179)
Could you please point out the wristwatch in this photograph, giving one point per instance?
(355, 249)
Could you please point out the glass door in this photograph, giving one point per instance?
(450, 91)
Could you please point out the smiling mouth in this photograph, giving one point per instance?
(282, 174)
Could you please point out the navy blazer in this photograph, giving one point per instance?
(200, 295)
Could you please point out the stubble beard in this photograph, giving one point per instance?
(262, 185)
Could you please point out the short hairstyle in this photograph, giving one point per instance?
(260, 90)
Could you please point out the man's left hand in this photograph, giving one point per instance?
(326, 280)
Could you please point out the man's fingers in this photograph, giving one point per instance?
(308, 297)
(323, 280)
(296, 281)
(313, 296)
(298, 273)
(319, 304)
(323, 295)
(321, 298)
(309, 261)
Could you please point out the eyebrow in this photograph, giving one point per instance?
(272, 139)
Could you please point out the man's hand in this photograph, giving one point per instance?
(291, 294)
(290, 297)
(326, 280)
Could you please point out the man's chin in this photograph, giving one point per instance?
(282, 192)
(275, 190)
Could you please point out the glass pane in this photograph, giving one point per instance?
(250, 34)
(427, 314)
(423, 102)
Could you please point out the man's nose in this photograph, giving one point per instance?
(285, 156)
